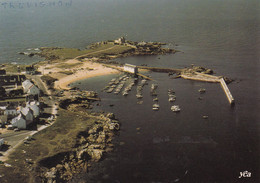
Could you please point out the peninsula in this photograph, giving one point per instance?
(68, 64)
(65, 137)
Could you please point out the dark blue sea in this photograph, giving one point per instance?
(161, 146)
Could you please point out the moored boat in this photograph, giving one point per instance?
(175, 108)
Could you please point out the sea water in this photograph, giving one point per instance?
(184, 147)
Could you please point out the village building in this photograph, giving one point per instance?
(131, 68)
(142, 43)
(2, 142)
(30, 89)
(30, 70)
(28, 114)
(120, 41)
(2, 72)
(34, 106)
(19, 122)
(11, 82)
(3, 119)
(11, 111)
(25, 118)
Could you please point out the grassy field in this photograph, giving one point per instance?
(61, 137)
(13, 68)
(100, 50)
(68, 66)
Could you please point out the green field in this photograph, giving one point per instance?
(100, 50)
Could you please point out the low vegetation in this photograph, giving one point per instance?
(48, 80)
(68, 65)
(69, 53)
(14, 68)
(61, 137)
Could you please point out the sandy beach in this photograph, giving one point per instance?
(78, 71)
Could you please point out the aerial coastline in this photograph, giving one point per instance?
(92, 132)
(71, 151)
(90, 62)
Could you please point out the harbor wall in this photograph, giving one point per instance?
(227, 92)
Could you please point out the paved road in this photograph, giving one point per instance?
(15, 138)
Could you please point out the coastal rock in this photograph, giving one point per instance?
(51, 175)
(96, 146)
(113, 126)
(83, 154)
(95, 154)
(60, 167)
(110, 116)
(209, 71)
(92, 138)
(101, 138)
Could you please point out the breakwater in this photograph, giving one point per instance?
(159, 69)
(227, 92)
(209, 78)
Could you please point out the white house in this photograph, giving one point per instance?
(30, 88)
(10, 111)
(142, 43)
(23, 119)
(34, 106)
(19, 122)
(28, 115)
(2, 142)
(131, 68)
(3, 119)
(121, 40)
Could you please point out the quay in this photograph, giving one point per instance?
(227, 92)
(159, 69)
(201, 77)
(209, 78)
(185, 74)
(128, 71)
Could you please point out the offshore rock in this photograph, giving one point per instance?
(110, 116)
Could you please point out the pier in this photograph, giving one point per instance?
(160, 69)
(227, 92)
(209, 78)
(201, 77)
(187, 74)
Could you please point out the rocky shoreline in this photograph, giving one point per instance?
(91, 146)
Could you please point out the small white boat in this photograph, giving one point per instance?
(171, 99)
(125, 93)
(156, 107)
(202, 90)
(155, 99)
(139, 96)
(175, 108)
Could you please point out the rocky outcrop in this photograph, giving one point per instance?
(90, 147)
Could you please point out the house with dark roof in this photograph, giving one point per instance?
(11, 81)
(2, 72)
(30, 70)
